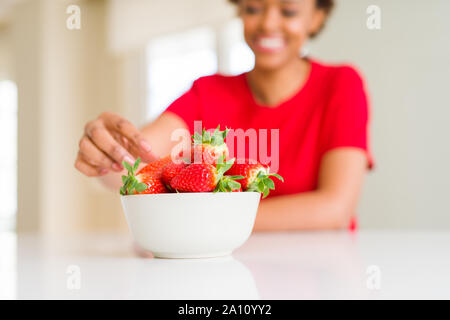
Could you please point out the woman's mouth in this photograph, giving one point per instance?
(270, 44)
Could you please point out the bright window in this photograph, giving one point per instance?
(8, 154)
(241, 58)
(176, 60)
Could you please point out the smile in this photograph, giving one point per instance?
(270, 44)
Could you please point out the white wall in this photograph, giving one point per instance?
(6, 59)
(407, 66)
(133, 23)
(65, 78)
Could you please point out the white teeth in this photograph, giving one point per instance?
(271, 43)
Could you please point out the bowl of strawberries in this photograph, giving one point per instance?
(199, 206)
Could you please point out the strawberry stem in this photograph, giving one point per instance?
(263, 183)
(226, 183)
(217, 138)
(130, 183)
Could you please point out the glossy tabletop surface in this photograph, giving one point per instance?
(303, 265)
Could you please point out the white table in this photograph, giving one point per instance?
(320, 265)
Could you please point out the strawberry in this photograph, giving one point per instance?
(204, 177)
(197, 177)
(207, 147)
(171, 170)
(156, 166)
(146, 181)
(256, 177)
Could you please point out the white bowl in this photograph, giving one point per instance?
(191, 225)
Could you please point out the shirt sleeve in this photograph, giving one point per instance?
(187, 107)
(346, 120)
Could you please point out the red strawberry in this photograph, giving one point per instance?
(201, 177)
(153, 182)
(256, 177)
(171, 170)
(208, 148)
(204, 177)
(156, 166)
(146, 181)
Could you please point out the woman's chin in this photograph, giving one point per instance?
(271, 61)
(268, 63)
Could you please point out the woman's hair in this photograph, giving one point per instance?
(325, 5)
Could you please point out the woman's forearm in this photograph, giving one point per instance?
(307, 211)
(331, 206)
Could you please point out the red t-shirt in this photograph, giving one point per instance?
(328, 112)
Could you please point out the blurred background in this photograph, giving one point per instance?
(136, 56)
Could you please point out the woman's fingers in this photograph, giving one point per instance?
(96, 157)
(86, 168)
(107, 142)
(137, 143)
(100, 136)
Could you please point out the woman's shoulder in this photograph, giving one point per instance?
(343, 85)
(337, 74)
(218, 82)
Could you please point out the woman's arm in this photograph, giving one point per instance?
(159, 132)
(331, 206)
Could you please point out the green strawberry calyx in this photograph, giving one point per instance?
(263, 183)
(130, 182)
(217, 138)
(226, 183)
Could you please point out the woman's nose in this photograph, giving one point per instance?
(271, 20)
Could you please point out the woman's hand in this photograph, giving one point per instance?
(106, 142)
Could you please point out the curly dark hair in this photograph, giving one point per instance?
(325, 5)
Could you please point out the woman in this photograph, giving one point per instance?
(321, 112)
